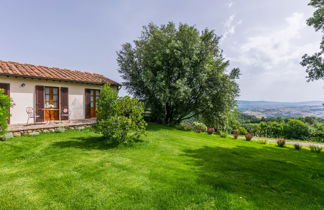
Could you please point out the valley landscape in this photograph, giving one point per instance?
(282, 109)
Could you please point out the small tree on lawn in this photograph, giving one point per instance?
(4, 113)
(120, 119)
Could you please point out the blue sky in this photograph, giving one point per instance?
(265, 39)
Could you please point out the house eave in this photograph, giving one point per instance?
(57, 80)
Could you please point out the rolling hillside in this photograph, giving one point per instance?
(282, 109)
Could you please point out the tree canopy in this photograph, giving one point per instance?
(179, 73)
(315, 63)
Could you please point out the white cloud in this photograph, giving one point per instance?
(270, 61)
(272, 47)
(230, 26)
(230, 4)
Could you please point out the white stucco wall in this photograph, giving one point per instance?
(25, 96)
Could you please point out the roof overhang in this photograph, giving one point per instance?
(58, 80)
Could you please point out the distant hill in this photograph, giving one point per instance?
(282, 109)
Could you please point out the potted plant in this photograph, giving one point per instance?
(236, 133)
(211, 130)
(248, 136)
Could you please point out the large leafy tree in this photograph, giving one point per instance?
(179, 73)
(315, 63)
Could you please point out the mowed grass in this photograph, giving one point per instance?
(168, 169)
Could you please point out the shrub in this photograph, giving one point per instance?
(242, 130)
(199, 127)
(5, 105)
(236, 133)
(248, 136)
(262, 141)
(298, 146)
(119, 119)
(281, 142)
(185, 126)
(211, 130)
(318, 134)
(315, 148)
(296, 129)
(223, 134)
(275, 129)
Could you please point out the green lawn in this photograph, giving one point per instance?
(169, 169)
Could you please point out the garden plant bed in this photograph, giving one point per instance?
(167, 169)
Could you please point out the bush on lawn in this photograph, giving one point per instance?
(281, 142)
(119, 119)
(5, 105)
(298, 146)
(315, 148)
(253, 128)
(199, 127)
(223, 134)
(296, 129)
(242, 130)
(248, 136)
(262, 141)
(185, 126)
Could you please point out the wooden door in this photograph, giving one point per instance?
(40, 102)
(65, 112)
(94, 95)
(6, 88)
(52, 107)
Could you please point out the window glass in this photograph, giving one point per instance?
(55, 98)
(55, 91)
(91, 104)
(46, 90)
(55, 105)
(47, 98)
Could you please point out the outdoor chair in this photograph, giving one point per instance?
(66, 113)
(31, 114)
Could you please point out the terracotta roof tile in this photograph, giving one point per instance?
(10, 68)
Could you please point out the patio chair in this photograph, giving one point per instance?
(31, 114)
(66, 113)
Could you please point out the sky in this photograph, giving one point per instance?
(265, 39)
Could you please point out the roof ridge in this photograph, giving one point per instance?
(46, 72)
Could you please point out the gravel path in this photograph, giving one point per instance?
(287, 141)
(301, 143)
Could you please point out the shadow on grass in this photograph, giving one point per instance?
(98, 142)
(89, 143)
(158, 127)
(264, 176)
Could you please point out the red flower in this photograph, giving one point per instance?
(211, 130)
(248, 136)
